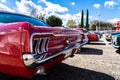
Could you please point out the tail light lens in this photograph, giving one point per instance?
(83, 36)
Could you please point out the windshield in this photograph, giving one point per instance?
(9, 18)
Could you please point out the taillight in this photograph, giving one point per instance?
(83, 36)
(40, 45)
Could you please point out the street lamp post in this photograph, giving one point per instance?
(99, 21)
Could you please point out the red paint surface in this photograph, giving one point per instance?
(93, 37)
(15, 41)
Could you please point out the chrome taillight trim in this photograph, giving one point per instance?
(39, 45)
(46, 49)
(46, 44)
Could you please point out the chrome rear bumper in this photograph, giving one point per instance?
(115, 46)
(31, 62)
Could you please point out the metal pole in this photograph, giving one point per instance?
(99, 21)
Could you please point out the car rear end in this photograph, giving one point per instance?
(48, 47)
(84, 38)
(26, 49)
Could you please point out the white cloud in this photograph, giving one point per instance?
(3, 1)
(96, 6)
(113, 20)
(5, 8)
(42, 1)
(27, 6)
(110, 4)
(73, 3)
(55, 8)
(50, 7)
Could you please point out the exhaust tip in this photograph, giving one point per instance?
(41, 71)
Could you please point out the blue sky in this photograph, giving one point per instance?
(66, 9)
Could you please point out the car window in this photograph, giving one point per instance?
(9, 18)
(85, 31)
(91, 32)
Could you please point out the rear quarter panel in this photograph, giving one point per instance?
(14, 41)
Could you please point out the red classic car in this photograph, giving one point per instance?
(88, 36)
(84, 33)
(29, 46)
(92, 36)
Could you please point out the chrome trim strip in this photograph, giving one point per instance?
(62, 52)
(46, 44)
(39, 50)
(35, 44)
(43, 44)
(66, 34)
(31, 45)
(49, 34)
(115, 46)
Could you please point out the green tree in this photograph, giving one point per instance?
(54, 21)
(82, 19)
(103, 25)
(36, 14)
(93, 24)
(71, 24)
(87, 20)
(41, 17)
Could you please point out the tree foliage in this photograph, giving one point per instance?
(82, 19)
(71, 24)
(103, 25)
(38, 15)
(87, 20)
(41, 17)
(54, 21)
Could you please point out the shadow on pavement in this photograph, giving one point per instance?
(118, 51)
(95, 43)
(65, 72)
(90, 51)
(8, 77)
(109, 43)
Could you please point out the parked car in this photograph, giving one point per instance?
(99, 34)
(92, 36)
(116, 41)
(29, 46)
(84, 39)
(109, 35)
